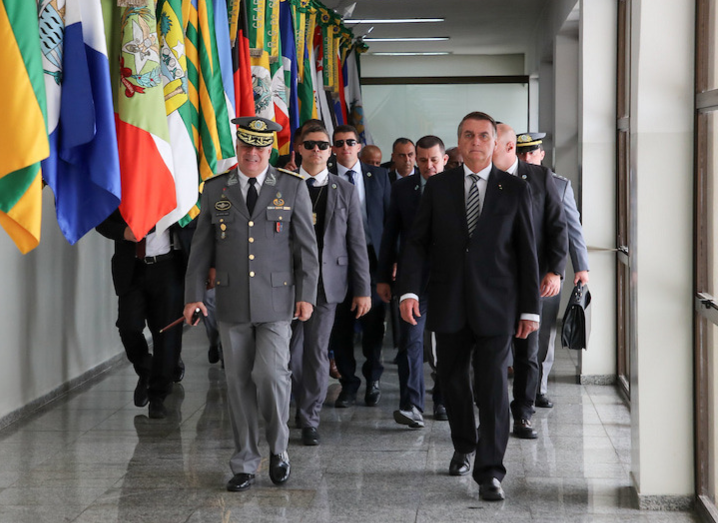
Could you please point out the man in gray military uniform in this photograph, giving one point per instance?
(530, 149)
(256, 230)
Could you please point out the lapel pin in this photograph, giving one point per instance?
(368, 175)
(500, 188)
(334, 186)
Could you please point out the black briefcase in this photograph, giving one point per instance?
(577, 319)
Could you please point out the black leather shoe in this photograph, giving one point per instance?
(240, 482)
(543, 401)
(310, 436)
(460, 464)
(490, 490)
(213, 354)
(345, 399)
(157, 409)
(373, 393)
(440, 412)
(279, 468)
(141, 397)
(524, 430)
(179, 371)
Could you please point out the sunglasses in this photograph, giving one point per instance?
(311, 144)
(351, 142)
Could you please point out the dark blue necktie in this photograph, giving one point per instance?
(252, 195)
(311, 182)
(350, 175)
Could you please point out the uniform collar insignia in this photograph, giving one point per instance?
(271, 179)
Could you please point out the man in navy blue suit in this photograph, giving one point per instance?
(474, 229)
(405, 197)
(373, 188)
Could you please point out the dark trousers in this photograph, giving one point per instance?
(155, 298)
(490, 359)
(526, 374)
(410, 361)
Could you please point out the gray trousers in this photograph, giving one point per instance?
(310, 362)
(547, 339)
(256, 359)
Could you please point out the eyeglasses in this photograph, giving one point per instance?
(351, 142)
(311, 144)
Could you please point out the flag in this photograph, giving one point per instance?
(355, 107)
(261, 75)
(83, 168)
(148, 188)
(289, 59)
(173, 71)
(306, 89)
(243, 94)
(224, 54)
(23, 135)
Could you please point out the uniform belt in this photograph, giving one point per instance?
(151, 260)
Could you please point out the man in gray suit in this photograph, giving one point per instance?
(256, 230)
(343, 255)
(530, 149)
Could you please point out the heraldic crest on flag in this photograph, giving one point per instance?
(52, 34)
(144, 48)
(172, 55)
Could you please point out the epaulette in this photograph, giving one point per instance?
(286, 171)
(561, 177)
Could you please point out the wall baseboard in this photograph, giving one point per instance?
(60, 391)
(663, 503)
(597, 379)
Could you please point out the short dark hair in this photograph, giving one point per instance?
(402, 141)
(477, 115)
(312, 127)
(429, 141)
(345, 129)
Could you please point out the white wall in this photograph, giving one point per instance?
(662, 82)
(58, 312)
(449, 65)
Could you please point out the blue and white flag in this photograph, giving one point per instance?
(83, 168)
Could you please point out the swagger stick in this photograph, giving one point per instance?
(179, 320)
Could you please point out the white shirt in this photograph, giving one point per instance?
(514, 166)
(320, 180)
(244, 182)
(157, 244)
(361, 192)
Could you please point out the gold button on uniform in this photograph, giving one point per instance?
(251, 274)
(251, 224)
(251, 256)
(251, 240)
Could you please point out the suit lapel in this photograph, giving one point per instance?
(234, 194)
(493, 194)
(268, 193)
(332, 188)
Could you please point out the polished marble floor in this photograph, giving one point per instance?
(92, 457)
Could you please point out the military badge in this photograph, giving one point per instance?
(223, 205)
(278, 202)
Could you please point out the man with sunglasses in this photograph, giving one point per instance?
(373, 189)
(256, 229)
(343, 259)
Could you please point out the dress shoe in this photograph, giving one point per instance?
(279, 468)
(490, 490)
(157, 409)
(524, 430)
(310, 437)
(460, 464)
(179, 371)
(440, 412)
(412, 418)
(372, 395)
(333, 370)
(345, 399)
(213, 354)
(141, 397)
(543, 401)
(240, 482)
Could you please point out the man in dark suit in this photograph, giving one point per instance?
(343, 258)
(551, 248)
(373, 189)
(474, 229)
(148, 279)
(405, 196)
(403, 159)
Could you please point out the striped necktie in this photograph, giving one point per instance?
(473, 204)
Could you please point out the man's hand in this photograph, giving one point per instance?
(291, 166)
(129, 235)
(581, 276)
(189, 311)
(211, 278)
(409, 310)
(303, 310)
(526, 327)
(361, 304)
(550, 285)
(384, 292)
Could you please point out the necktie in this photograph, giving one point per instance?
(350, 175)
(252, 195)
(473, 204)
(311, 182)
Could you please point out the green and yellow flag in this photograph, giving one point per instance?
(23, 135)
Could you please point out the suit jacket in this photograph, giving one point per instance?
(576, 244)
(404, 203)
(548, 218)
(378, 191)
(394, 176)
(344, 254)
(265, 262)
(483, 281)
